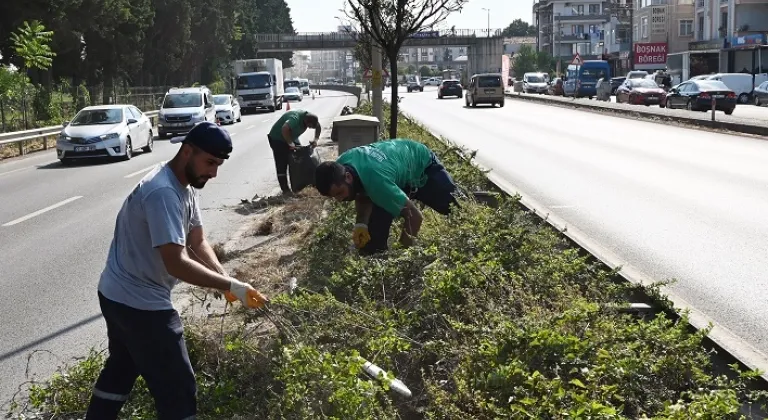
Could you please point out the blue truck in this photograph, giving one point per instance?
(581, 79)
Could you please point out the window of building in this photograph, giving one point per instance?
(686, 27)
(644, 27)
(578, 9)
(724, 22)
(594, 9)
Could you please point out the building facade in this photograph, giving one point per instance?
(568, 28)
(729, 36)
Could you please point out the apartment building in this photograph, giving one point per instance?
(567, 28)
(729, 36)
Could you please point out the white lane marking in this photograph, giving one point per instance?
(563, 207)
(15, 170)
(267, 120)
(41, 211)
(250, 127)
(232, 134)
(141, 171)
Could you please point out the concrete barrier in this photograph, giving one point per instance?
(696, 119)
(354, 90)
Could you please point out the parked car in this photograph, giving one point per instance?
(555, 87)
(105, 131)
(616, 82)
(450, 88)
(535, 83)
(742, 84)
(293, 94)
(761, 94)
(227, 109)
(641, 92)
(697, 95)
(486, 88)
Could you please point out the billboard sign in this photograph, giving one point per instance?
(650, 56)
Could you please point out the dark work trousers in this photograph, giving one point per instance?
(436, 194)
(282, 154)
(150, 344)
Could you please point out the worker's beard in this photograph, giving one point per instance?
(193, 177)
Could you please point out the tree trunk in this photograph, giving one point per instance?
(394, 97)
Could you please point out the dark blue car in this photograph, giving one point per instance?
(698, 95)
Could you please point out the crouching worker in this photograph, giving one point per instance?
(383, 178)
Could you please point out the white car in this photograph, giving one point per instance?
(105, 131)
(227, 109)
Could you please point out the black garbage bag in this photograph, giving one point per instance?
(301, 167)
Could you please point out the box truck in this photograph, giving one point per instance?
(259, 83)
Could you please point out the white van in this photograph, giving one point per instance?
(182, 108)
(740, 83)
(535, 83)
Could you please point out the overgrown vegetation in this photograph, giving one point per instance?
(490, 315)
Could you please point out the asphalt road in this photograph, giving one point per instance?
(670, 202)
(56, 225)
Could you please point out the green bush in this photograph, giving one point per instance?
(492, 314)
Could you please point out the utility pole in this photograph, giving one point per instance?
(489, 21)
(378, 110)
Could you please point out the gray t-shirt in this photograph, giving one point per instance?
(158, 211)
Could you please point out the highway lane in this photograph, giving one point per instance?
(671, 202)
(50, 263)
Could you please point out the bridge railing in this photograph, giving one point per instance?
(351, 36)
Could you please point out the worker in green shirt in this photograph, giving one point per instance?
(284, 138)
(383, 178)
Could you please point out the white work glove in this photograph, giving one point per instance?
(246, 294)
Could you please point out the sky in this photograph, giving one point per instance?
(320, 15)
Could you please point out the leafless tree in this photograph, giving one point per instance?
(396, 21)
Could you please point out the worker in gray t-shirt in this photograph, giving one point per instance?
(159, 241)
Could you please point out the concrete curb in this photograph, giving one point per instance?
(722, 338)
(648, 116)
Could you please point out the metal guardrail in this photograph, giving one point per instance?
(21, 137)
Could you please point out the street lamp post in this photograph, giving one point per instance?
(489, 20)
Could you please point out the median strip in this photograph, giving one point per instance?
(694, 119)
(41, 211)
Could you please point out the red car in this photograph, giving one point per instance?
(641, 92)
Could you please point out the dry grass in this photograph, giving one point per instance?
(12, 150)
(269, 265)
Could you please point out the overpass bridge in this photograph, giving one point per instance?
(484, 47)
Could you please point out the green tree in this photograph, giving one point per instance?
(32, 43)
(519, 27)
(524, 61)
(395, 22)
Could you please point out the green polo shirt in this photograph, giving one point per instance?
(295, 120)
(386, 168)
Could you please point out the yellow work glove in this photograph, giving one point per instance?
(245, 293)
(360, 235)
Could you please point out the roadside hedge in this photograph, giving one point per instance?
(491, 315)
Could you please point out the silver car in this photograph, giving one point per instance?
(293, 94)
(227, 109)
(105, 131)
